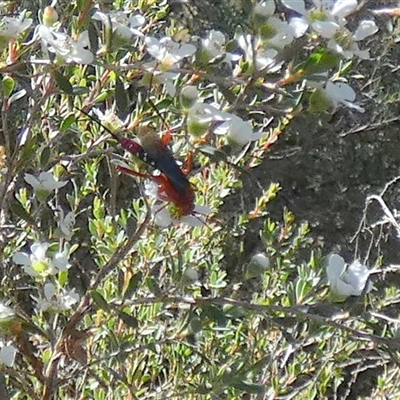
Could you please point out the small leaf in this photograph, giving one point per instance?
(8, 85)
(133, 285)
(103, 96)
(93, 38)
(63, 83)
(153, 286)
(100, 301)
(80, 90)
(16, 96)
(45, 157)
(121, 98)
(214, 313)
(214, 153)
(67, 122)
(128, 319)
(321, 60)
(195, 325)
(248, 387)
(18, 209)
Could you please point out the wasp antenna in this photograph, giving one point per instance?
(154, 107)
(95, 119)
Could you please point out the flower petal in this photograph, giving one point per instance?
(343, 8)
(31, 180)
(60, 261)
(365, 29)
(296, 5)
(357, 276)
(7, 355)
(298, 26)
(21, 258)
(325, 28)
(344, 289)
(39, 250)
(162, 217)
(335, 268)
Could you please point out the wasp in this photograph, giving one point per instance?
(173, 184)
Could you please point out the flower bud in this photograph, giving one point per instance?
(258, 264)
(50, 16)
(319, 102)
(261, 13)
(198, 120)
(188, 97)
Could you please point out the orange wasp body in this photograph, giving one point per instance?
(173, 185)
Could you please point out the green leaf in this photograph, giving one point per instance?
(80, 90)
(133, 285)
(45, 157)
(248, 387)
(215, 154)
(153, 286)
(214, 313)
(8, 85)
(128, 319)
(103, 96)
(195, 325)
(121, 98)
(93, 38)
(100, 301)
(63, 83)
(67, 122)
(321, 60)
(18, 209)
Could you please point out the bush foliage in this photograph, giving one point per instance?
(123, 287)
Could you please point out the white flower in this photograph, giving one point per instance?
(61, 262)
(65, 224)
(45, 182)
(165, 78)
(329, 19)
(255, 51)
(345, 43)
(341, 93)
(325, 18)
(8, 318)
(214, 46)
(109, 119)
(200, 117)
(56, 300)
(66, 48)
(168, 52)
(345, 282)
(164, 219)
(238, 131)
(280, 35)
(123, 25)
(38, 264)
(11, 27)
(7, 355)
